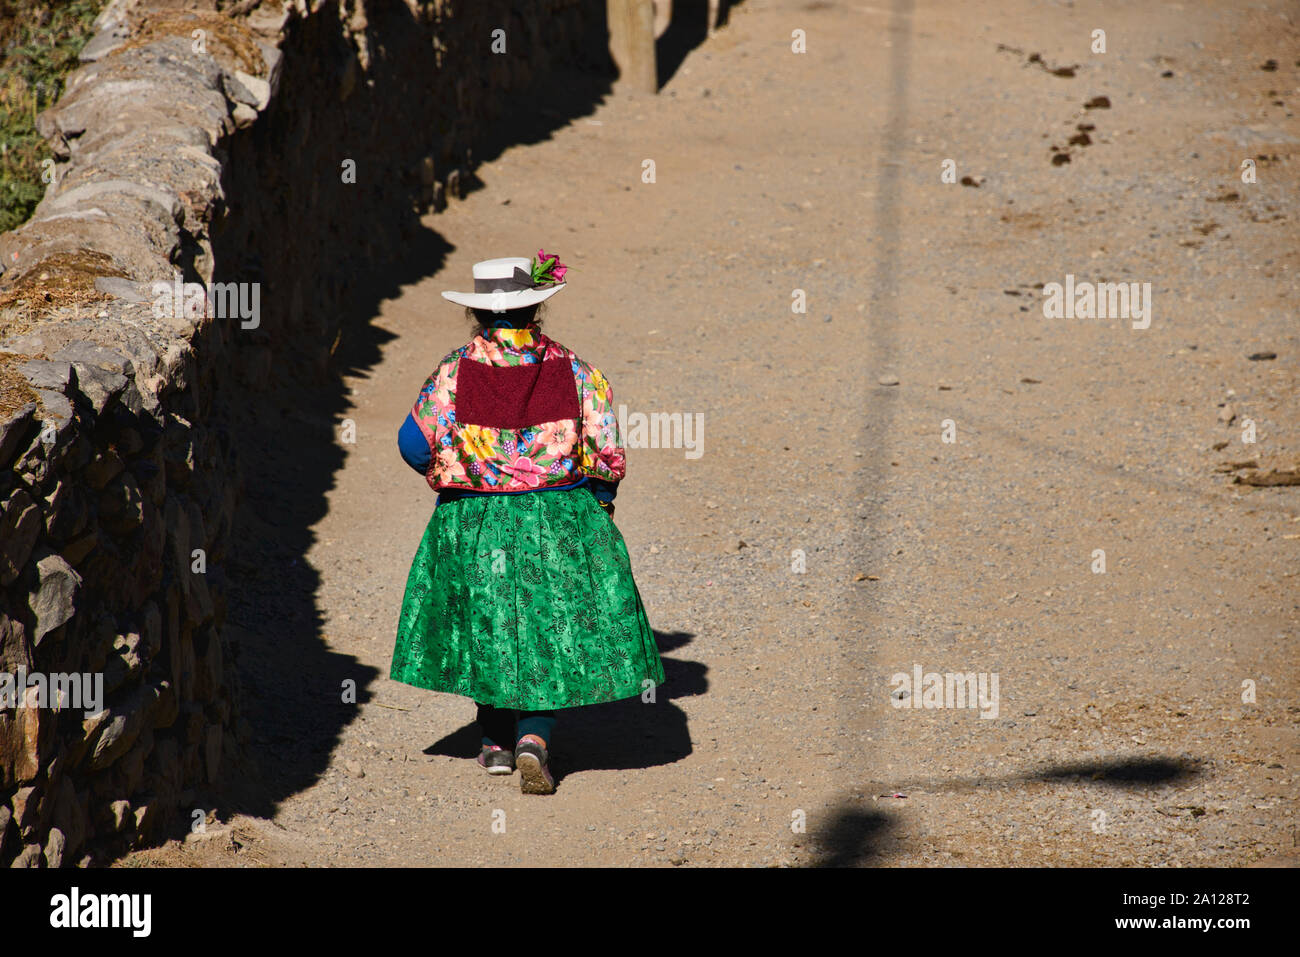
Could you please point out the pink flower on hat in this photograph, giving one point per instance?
(547, 268)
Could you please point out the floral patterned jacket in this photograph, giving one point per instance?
(494, 446)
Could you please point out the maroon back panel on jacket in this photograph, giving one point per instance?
(515, 397)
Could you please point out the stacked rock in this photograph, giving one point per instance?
(229, 183)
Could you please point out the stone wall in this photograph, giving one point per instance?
(200, 145)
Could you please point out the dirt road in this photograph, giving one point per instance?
(1074, 541)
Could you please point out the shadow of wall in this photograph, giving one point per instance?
(328, 251)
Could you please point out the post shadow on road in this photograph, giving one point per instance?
(1129, 773)
(687, 29)
(851, 837)
(620, 735)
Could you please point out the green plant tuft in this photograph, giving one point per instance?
(39, 44)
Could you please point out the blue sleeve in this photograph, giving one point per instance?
(413, 445)
(604, 491)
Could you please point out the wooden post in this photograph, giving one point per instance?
(632, 42)
(663, 16)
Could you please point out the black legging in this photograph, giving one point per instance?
(504, 726)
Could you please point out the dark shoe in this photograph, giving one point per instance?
(534, 774)
(496, 759)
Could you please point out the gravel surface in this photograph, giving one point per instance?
(828, 537)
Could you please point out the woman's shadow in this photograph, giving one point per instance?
(620, 735)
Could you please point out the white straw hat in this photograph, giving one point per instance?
(501, 284)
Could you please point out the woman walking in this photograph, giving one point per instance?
(521, 594)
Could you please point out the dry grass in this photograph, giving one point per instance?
(15, 392)
(228, 42)
(63, 280)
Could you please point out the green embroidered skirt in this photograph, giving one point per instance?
(525, 601)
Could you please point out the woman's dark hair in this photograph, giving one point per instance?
(484, 319)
